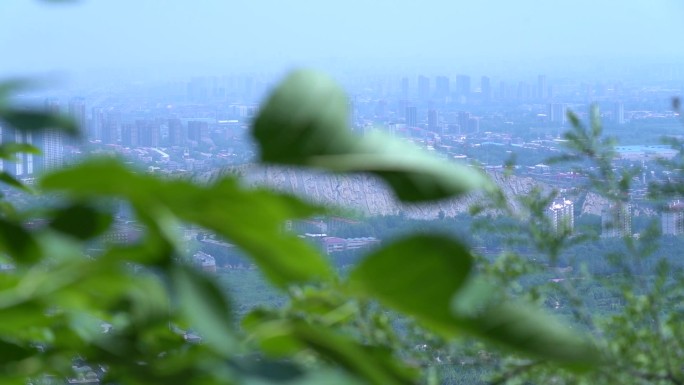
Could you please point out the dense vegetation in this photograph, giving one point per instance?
(424, 307)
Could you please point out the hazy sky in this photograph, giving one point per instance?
(189, 35)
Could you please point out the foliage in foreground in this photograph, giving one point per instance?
(336, 328)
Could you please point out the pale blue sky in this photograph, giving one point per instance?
(199, 35)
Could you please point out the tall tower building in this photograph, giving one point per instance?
(423, 88)
(129, 135)
(557, 112)
(149, 133)
(111, 129)
(442, 87)
(198, 130)
(411, 117)
(541, 87)
(672, 218)
(51, 143)
(177, 133)
(485, 88)
(562, 216)
(503, 91)
(619, 113)
(463, 85)
(464, 122)
(96, 123)
(23, 165)
(77, 111)
(616, 220)
(432, 120)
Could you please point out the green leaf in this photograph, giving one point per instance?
(245, 217)
(304, 122)
(11, 86)
(18, 243)
(10, 352)
(12, 181)
(8, 150)
(529, 330)
(376, 365)
(273, 371)
(425, 277)
(522, 327)
(35, 121)
(206, 307)
(282, 337)
(81, 221)
(418, 276)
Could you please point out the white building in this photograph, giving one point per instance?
(562, 215)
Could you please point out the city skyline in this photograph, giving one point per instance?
(481, 38)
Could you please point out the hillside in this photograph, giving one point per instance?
(364, 193)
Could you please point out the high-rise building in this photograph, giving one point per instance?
(541, 87)
(198, 130)
(442, 87)
(129, 135)
(463, 85)
(619, 113)
(423, 88)
(616, 220)
(50, 141)
(96, 124)
(432, 120)
(672, 218)
(149, 133)
(562, 216)
(463, 121)
(474, 124)
(557, 113)
(503, 91)
(523, 92)
(77, 111)
(177, 135)
(485, 88)
(23, 163)
(411, 117)
(111, 127)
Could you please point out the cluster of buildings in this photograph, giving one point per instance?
(616, 218)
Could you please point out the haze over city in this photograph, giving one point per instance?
(147, 40)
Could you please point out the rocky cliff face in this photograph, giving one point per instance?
(365, 193)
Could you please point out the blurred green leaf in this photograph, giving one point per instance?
(280, 337)
(244, 216)
(11, 86)
(206, 307)
(276, 371)
(304, 122)
(80, 221)
(423, 276)
(417, 275)
(35, 121)
(19, 243)
(520, 326)
(529, 330)
(12, 181)
(376, 365)
(12, 352)
(9, 150)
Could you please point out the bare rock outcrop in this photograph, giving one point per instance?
(365, 193)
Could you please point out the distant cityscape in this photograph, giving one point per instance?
(201, 125)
